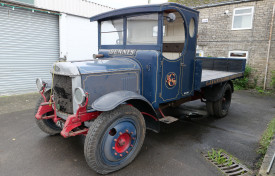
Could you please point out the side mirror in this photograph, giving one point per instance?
(171, 17)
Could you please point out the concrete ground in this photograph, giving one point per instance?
(26, 150)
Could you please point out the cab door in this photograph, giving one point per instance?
(170, 79)
(172, 48)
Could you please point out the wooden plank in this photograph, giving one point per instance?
(210, 77)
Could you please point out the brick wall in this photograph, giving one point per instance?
(216, 38)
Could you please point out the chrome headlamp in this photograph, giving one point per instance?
(79, 95)
(39, 84)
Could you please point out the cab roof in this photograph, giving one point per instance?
(138, 9)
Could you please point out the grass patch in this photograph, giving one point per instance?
(231, 156)
(216, 155)
(265, 141)
(273, 79)
(243, 83)
(267, 137)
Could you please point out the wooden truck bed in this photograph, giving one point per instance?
(210, 77)
(216, 70)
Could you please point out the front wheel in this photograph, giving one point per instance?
(46, 125)
(114, 139)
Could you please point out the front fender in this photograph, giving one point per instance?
(111, 100)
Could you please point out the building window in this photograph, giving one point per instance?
(242, 18)
(238, 54)
(199, 53)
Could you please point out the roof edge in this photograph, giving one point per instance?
(137, 9)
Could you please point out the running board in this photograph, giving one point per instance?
(168, 119)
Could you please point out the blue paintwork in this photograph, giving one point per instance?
(138, 10)
(100, 84)
(235, 66)
(153, 85)
(107, 152)
(198, 72)
(150, 71)
(106, 65)
(111, 100)
(146, 71)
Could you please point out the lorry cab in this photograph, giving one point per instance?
(161, 39)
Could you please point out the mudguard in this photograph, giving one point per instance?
(112, 100)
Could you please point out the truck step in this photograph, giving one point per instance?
(168, 119)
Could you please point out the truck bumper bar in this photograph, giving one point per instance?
(47, 111)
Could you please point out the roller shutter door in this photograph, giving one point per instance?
(29, 45)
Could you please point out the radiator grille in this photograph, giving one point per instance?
(62, 91)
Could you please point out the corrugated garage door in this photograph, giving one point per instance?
(29, 45)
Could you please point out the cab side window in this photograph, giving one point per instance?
(173, 36)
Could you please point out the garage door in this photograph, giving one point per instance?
(29, 45)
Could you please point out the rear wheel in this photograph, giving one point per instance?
(114, 139)
(221, 107)
(46, 125)
(209, 108)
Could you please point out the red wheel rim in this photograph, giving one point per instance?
(123, 142)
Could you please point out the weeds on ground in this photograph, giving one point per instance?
(267, 137)
(219, 158)
(243, 83)
(273, 79)
(240, 84)
(265, 141)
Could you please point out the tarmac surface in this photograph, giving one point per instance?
(26, 150)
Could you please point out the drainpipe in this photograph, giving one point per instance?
(269, 45)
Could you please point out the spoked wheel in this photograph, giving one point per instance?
(221, 106)
(114, 139)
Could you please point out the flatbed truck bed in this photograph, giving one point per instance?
(217, 70)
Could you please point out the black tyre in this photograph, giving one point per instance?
(209, 108)
(221, 107)
(48, 126)
(114, 139)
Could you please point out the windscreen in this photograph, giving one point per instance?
(142, 30)
(112, 32)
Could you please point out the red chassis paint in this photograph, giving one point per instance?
(72, 122)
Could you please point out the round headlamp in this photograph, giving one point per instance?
(79, 95)
(39, 84)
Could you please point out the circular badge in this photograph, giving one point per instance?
(171, 80)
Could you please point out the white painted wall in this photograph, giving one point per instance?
(82, 8)
(78, 37)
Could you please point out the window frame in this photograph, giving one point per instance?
(124, 45)
(238, 51)
(243, 8)
(200, 52)
(100, 31)
(137, 15)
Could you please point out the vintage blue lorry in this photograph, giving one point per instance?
(145, 63)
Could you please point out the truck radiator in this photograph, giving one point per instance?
(62, 91)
